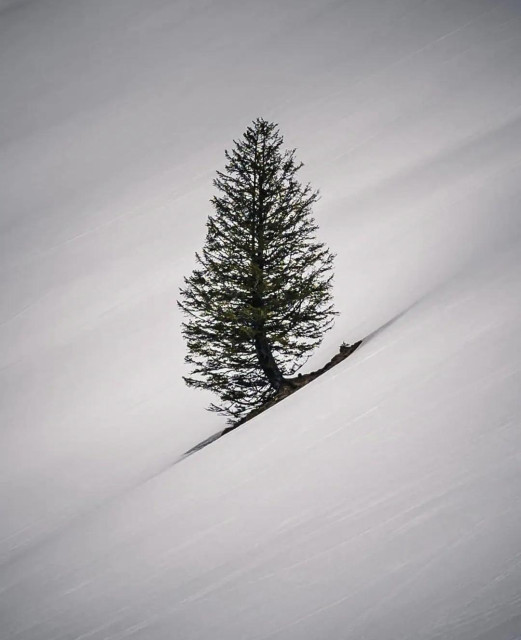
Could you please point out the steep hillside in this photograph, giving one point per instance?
(381, 501)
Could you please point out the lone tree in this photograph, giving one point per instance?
(259, 300)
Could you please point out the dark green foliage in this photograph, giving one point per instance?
(259, 300)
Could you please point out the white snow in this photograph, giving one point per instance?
(383, 500)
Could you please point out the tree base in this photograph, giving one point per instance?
(290, 385)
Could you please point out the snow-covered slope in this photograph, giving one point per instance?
(380, 502)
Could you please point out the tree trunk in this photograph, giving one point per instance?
(267, 361)
(262, 346)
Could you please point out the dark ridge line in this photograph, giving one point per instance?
(291, 386)
(294, 384)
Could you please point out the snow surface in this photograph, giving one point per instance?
(383, 501)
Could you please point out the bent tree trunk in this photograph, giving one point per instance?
(267, 361)
(262, 345)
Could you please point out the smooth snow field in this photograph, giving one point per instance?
(382, 501)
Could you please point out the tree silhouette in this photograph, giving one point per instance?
(259, 300)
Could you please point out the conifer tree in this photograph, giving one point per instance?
(259, 300)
